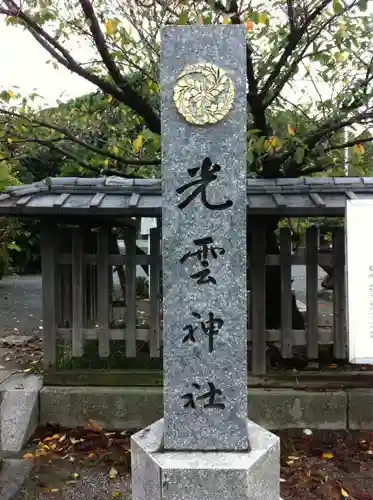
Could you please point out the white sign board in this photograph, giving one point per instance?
(359, 261)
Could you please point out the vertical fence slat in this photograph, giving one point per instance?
(77, 286)
(155, 292)
(65, 292)
(339, 325)
(49, 245)
(312, 289)
(111, 291)
(103, 292)
(286, 297)
(131, 293)
(258, 300)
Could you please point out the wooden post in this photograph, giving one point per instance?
(258, 298)
(339, 320)
(103, 292)
(155, 292)
(312, 297)
(131, 312)
(286, 294)
(49, 248)
(77, 286)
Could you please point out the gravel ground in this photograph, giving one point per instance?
(318, 465)
(20, 304)
(93, 484)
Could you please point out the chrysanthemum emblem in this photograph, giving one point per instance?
(204, 94)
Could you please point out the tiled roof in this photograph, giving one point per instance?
(115, 196)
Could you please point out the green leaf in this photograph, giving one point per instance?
(250, 156)
(137, 145)
(339, 56)
(299, 154)
(184, 18)
(337, 7)
(13, 246)
(363, 5)
(4, 96)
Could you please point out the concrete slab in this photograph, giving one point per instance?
(138, 407)
(288, 408)
(13, 475)
(19, 412)
(360, 409)
(130, 407)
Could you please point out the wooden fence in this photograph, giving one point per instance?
(79, 299)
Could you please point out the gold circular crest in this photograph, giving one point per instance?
(204, 94)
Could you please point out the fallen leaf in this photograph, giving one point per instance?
(41, 453)
(76, 441)
(94, 425)
(344, 493)
(115, 493)
(113, 473)
(75, 475)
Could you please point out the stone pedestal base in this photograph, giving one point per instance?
(205, 475)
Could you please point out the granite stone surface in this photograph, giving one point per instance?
(19, 415)
(13, 475)
(205, 475)
(205, 306)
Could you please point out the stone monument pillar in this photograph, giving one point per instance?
(205, 448)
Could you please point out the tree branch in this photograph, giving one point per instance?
(74, 139)
(126, 95)
(254, 100)
(291, 18)
(113, 70)
(293, 40)
(348, 144)
(315, 169)
(69, 154)
(323, 132)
